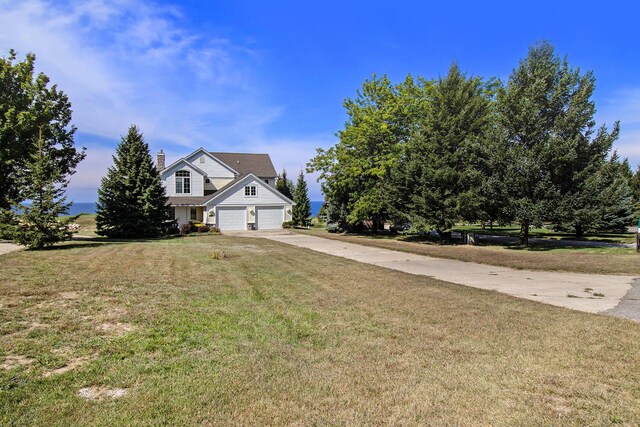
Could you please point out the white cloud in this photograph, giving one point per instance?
(84, 183)
(133, 61)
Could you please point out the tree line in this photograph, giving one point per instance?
(433, 153)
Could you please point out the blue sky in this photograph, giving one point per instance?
(270, 76)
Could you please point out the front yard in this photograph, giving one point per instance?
(166, 332)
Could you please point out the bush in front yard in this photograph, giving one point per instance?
(185, 229)
(203, 229)
(287, 224)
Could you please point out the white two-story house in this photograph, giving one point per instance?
(233, 191)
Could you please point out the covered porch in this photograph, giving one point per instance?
(188, 209)
(186, 214)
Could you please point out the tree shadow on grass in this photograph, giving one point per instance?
(98, 241)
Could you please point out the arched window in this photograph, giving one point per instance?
(183, 182)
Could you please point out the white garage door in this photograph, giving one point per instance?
(232, 218)
(269, 217)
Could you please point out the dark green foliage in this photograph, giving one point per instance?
(463, 149)
(131, 200)
(30, 109)
(301, 211)
(284, 185)
(43, 183)
(546, 113)
(438, 178)
(634, 183)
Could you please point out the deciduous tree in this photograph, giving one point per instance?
(355, 171)
(29, 107)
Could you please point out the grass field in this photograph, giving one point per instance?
(549, 258)
(274, 335)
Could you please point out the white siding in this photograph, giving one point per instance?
(169, 181)
(265, 196)
(213, 168)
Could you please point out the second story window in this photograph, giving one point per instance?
(250, 191)
(183, 182)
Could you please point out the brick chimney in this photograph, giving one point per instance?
(160, 162)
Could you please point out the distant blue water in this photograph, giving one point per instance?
(90, 208)
(78, 208)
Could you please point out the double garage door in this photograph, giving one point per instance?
(235, 218)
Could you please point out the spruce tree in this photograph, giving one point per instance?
(42, 182)
(438, 178)
(131, 200)
(546, 114)
(302, 208)
(284, 185)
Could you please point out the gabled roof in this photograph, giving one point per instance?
(204, 200)
(246, 163)
(200, 200)
(183, 160)
(224, 189)
(213, 156)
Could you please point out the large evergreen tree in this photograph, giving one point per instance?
(302, 208)
(546, 114)
(284, 185)
(438, 178)
(131, 200)
(28, 108)
(42, 183)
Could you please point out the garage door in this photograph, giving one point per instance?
(232, 218)
(269, 217)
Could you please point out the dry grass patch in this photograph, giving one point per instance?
(289, 336)
(100, 393)
(579, 260)
(12, 362)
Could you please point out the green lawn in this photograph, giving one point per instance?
(275, 335)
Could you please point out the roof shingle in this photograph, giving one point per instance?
(245, 163)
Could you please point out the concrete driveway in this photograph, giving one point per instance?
(570, 290)
(6, 247)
